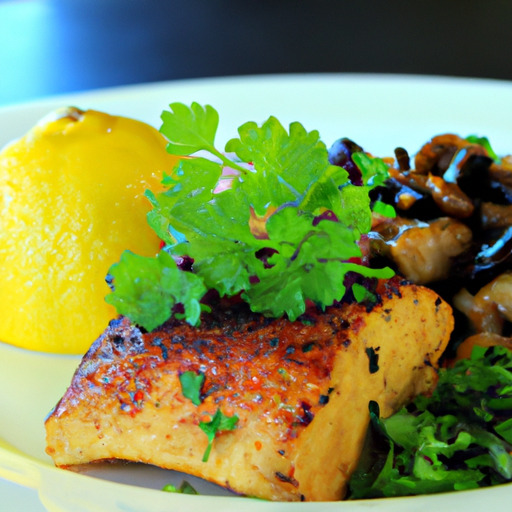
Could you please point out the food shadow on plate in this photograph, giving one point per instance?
(148, 476)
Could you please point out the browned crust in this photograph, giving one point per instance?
(300, 389)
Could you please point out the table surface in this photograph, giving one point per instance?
(50, 47)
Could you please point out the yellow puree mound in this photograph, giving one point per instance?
(71, 200)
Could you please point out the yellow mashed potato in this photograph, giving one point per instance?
(71, 200)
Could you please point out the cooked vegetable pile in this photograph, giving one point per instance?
(454, 208)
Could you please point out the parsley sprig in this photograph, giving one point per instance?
(191, 383)
(268, 218)
(219, 423)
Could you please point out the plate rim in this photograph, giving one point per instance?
(410, 79)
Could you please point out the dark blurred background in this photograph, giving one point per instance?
(55, 46)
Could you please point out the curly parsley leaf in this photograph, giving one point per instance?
(219, 423)
(459, 438)
(271, 219)
(147, 289)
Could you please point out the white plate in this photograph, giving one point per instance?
(379, 112)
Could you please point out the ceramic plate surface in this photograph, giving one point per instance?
(379, 112)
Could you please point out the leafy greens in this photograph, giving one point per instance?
(269, 218)
(459, 438)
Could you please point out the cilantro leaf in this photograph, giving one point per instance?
(191, 188)
(191, 383)
(355, 208)
(146, 289)
(326, 192)
(219, 423)
(504, 429)
(225, 216)
(224, 265)
(192, 129)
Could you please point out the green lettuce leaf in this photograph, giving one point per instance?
(459, 438)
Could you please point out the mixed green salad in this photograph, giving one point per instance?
(459, 438)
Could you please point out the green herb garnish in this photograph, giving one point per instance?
(459, 438)
(147, 289)
(191, 383)
(184, 488)
(362, 294)
(484, 141)
(280, 228)
(219, 423)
